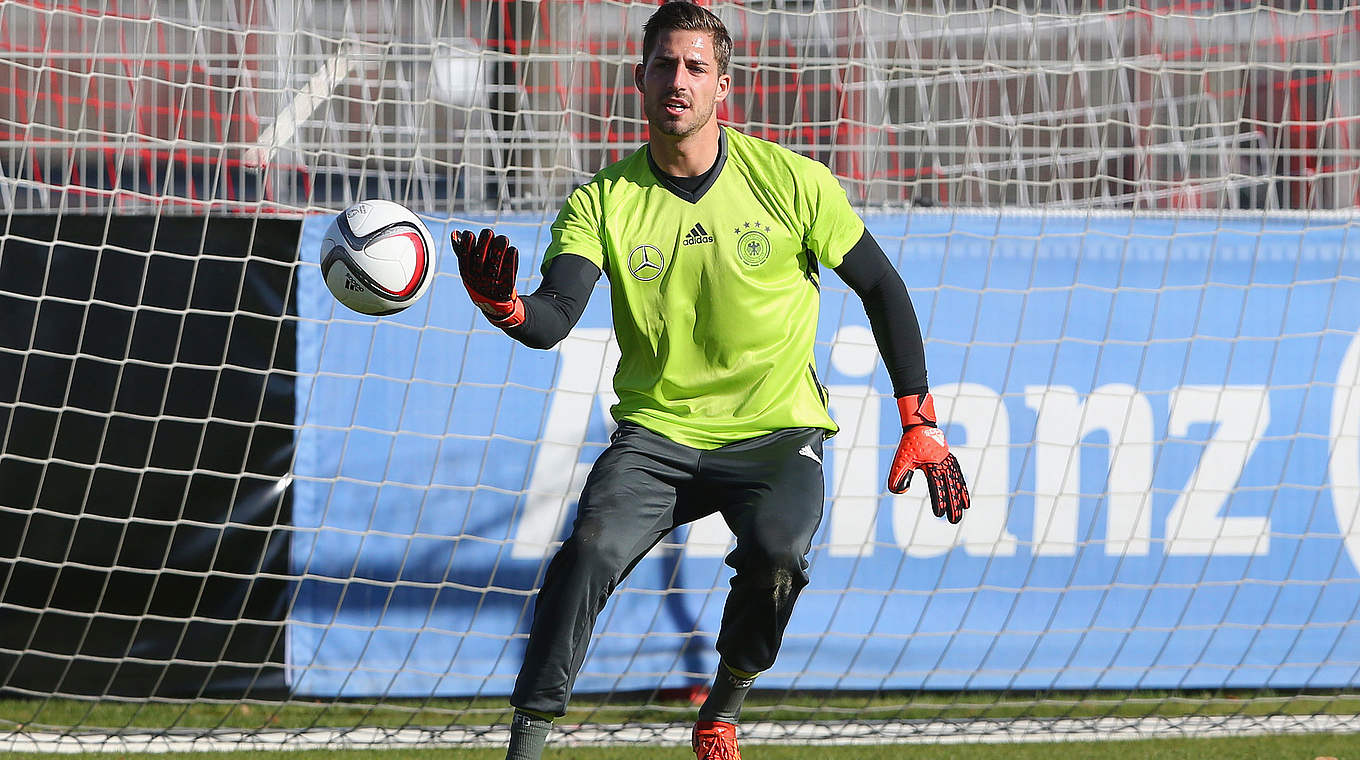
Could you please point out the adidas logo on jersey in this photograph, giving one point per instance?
(696, 235)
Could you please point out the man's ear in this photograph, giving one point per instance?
(724, 88)
(639, 70)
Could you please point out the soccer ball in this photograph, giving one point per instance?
(377, 257)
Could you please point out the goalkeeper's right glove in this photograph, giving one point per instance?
(487, 263)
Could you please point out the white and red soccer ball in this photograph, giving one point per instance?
(377, 257)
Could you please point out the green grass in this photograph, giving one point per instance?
(1343, 747)
(78, 715)
(50, 714)
(299, 713)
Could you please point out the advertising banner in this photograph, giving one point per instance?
(1159, 419)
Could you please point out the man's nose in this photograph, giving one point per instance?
(679, 79)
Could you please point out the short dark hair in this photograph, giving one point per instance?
(686, 16)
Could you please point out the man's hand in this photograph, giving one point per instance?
(923, 447)
(487, 263)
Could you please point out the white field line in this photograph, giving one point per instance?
(876, 732)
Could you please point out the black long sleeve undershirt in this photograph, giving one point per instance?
(556, 306)
(892, 318)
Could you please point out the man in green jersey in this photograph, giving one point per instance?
(713, 243)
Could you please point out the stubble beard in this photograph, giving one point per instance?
(661, 121)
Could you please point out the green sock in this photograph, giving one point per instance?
(729, 691)
(528, 734)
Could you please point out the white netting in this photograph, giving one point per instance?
(228, 506)
(507, 104)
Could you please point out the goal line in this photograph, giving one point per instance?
(979, 731)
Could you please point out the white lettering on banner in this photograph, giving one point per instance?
(984, 456)
(859, 477)
(1125, 415)
(1194, 526)
(586, 360)
(858, 465)
(857, 461)
(854, 474)
(1343, 467)
(708, 537)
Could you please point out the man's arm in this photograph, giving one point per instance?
(898, 334)
(551, 311)
(892, 318)
(488, 263)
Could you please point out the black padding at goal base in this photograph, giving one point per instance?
(146, 420)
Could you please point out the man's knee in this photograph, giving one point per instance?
(592, 549)
(781, 567)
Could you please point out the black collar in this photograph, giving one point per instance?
(706, 180)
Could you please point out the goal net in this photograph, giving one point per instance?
(234, 514)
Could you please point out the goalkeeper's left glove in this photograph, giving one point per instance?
(923, 447)
(487, 264)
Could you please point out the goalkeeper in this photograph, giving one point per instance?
(714, 243)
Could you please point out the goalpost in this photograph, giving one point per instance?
(234, 514)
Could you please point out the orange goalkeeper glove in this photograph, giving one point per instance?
(923, 447)
(487, 263)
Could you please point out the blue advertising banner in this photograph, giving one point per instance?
(1159, 419)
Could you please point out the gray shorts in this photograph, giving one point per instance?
(768, 489)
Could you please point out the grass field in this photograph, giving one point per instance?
(73, 717)
(59, 714)
(1309, 747)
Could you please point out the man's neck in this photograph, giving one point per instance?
(687, 156)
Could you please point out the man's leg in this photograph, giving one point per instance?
(528, 734)
(727, 694)
(626, 506)
(774, 515)
(772, 491)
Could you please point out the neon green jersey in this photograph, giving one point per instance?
(714, 301)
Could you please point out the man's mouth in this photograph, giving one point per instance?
(675, 106)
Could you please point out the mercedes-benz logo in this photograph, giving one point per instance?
(646, 262)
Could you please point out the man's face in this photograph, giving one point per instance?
(680, 83)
